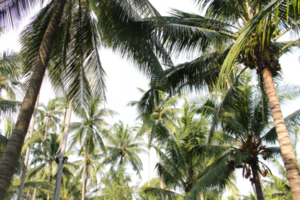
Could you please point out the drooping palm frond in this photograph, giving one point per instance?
(157, 192)
(13, 11)
(290, 120)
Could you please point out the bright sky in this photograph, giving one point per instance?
(123, 79)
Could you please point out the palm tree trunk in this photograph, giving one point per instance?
(148, 160)
(201, 196)
(62, 152)
(12, 152)
(258, 187)
(48, 195)
(34, 193)
(161, 181)
(27, 155)
(286, 148)
(84, 172)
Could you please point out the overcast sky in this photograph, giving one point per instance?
(123, 79)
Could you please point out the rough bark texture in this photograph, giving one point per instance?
(257, 183)
(12, 152)
(84, 172)
(62, 151)
(27, 155)
(286, 148)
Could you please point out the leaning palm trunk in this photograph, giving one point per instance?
(286, 148)
(258, 187)
(84, 172)
(27, 156)
(62, 152)
(11, 154)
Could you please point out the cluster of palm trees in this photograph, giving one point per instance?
(229, 131)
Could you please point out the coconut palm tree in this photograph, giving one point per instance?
(123, 147)
(65, 126)
(9, 82)
(50, 113)
(47, 167)
(81, 62)
(157, 110)
(88, 132)
(71, 188)
(246, 129)
(116, 185)
(244, 33)
(189, 175)
(93, 167)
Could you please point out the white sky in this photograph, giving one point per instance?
(123, 79)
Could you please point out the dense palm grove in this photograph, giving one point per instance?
(210, 120)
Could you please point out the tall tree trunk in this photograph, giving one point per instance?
(48, 195)
(62, 151)
(161, 181)
(84, 172)
(286, 148)
(201, 196)
(258, 187)
(12, 152)
(27, 154)
(148, 159)
(35, 187)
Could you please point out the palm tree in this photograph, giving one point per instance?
(47, 167)
(245, 123)
(27, 154)
(71, 188)
(67, 121)
(123, 147)
(9, 81)
(116, 185)
(80, 59)
(241, 33)
(157, 110)
(277, 187)
(50, 114)
(10, 73)
(183, 170)
(93, 167)
(88, 131)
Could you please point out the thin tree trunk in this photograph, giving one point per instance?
(12, 152)
(34, 193)
(286, 148)
(161, 181)
(201, 196)
(27, 154)
(35, 188)
(84, 172)
(258, 187)
(62, 151)
(148, 159)
(27, 195)
(48, 195)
